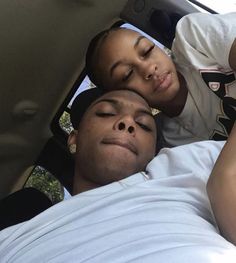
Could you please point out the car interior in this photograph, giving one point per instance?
(43, 45)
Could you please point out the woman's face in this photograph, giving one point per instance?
(126, 59)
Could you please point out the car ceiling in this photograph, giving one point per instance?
(42, 51)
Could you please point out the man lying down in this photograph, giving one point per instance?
(128, 206)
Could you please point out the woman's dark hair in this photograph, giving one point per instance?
(91, 58)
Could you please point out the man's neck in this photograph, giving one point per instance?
(80, 185)
(176, 106)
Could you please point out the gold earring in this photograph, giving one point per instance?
(72, 148)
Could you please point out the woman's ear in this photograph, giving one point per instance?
(71, 142)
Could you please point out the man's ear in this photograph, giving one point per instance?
(71, 142)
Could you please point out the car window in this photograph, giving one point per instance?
(220, 7)
(45, 182)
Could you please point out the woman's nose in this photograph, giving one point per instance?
(149, 71)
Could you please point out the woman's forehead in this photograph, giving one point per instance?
(127, 31)
(115, 47)
(123, 33)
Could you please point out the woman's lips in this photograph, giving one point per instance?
(165, 81)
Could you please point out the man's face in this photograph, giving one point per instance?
(116, 138)
(126, 59)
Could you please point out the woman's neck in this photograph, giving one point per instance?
(176, 106)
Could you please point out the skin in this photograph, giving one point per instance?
(115, 139)
(126, 59)
(221, 186)
(221, 189)
(232, 56)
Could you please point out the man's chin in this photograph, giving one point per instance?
(115, 172)
(120, 152)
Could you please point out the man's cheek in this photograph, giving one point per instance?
(90, 129)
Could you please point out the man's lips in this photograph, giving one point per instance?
(122, 143)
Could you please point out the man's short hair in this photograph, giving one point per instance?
(81, 104)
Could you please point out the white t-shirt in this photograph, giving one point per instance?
(201, 50)
(164, 216)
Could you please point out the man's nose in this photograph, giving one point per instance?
(126, 124)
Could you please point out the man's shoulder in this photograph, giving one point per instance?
(195, 159)
(209, 145)
(181, 130)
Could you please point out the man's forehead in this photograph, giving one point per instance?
(123, 97)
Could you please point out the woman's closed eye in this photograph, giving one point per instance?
(127, 75)
(148, 51)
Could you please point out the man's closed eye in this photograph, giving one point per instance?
(144, 127)
(105, 114)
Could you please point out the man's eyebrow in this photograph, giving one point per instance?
(117, 63)
(112, 101)
(116, 102)
(146, 112)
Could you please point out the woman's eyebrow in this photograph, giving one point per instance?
(138, 41)
(117, 63)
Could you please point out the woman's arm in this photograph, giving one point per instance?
(221, 188)
(232, 56)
